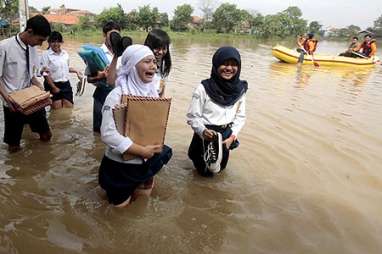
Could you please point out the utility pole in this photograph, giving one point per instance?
(23, 14)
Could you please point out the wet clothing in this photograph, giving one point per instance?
(15, 121)
(217, 104)
(118, 177)
(197, 148)
(19, 63)
(101, 92)
(66, 91)
(120, 180)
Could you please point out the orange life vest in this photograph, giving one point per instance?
(308, 47)
(366, 47)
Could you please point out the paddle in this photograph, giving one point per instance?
(359, 54)
(314, 61)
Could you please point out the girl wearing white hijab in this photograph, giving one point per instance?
(117, 177)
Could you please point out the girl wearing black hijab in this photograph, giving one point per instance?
(217, 113)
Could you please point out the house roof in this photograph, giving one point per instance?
(196, 20)
(62, 19)
(81, 13)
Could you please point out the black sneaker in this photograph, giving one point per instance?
(125, 42)
(115, 43)
(213, 153)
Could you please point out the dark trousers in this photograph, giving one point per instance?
(97, 115)
(14, 124)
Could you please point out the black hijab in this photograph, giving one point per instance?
(225, 92)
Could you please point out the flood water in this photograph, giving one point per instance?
(307, 177)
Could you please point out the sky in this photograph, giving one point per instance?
(330, 13)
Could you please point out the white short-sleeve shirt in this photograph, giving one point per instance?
(13, 64)
(57, 64)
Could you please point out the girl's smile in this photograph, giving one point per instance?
(228, 69)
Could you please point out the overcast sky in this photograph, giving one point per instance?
(337, 13)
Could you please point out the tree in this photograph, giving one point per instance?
(182, 17)
(226, 18)
(353, 30)
(258, 23)
(148, 17)
(246, 21)
(86, 22)
(132, 20)
(291, 19)
(207, 8)
(345, 32)
(314, 27)
(163, 19)
(378, 27)
(115, 14)
(9, 9)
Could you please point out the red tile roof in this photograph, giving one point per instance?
(62, 19)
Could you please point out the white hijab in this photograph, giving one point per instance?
(127, 76)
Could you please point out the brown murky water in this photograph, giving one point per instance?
(307, 177)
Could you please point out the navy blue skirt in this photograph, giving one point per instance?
(120, 180)
(66, 91)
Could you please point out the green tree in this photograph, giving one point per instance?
(132, 20)
(182, 17)
(258, 23)
(115, 14)
(86, 23)
(247, 21)
(273, 27)
(148, 17)
(353, 30)
(9, 9)
(378, 27)
(163, 19)
(314, 27)
(292, 21)
(226, 18)
(346, 32)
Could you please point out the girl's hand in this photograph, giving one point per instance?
(208, 134)
(101, 74)
(150, 150)
(55, 90)
(229, 141)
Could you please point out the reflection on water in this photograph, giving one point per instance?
(306, 179)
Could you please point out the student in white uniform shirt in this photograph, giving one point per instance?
(217, 113)
(55, 68)
(104, 80)
(19, 63)
(159, 42)
(121, 179)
